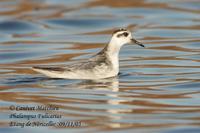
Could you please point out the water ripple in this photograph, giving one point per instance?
(158, 86)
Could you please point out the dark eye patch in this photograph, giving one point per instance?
(123, 34)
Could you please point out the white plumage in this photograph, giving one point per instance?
(105, 64)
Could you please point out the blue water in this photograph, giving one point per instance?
(158, 89)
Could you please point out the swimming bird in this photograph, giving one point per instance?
(104, 64)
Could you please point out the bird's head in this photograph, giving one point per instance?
(123, 36)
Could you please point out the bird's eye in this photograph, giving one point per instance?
(125, 34)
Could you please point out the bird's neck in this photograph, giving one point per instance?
(112, 51)
(113, 48)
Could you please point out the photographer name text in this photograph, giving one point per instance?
(34, 108)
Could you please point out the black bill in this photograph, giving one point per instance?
(136, 42)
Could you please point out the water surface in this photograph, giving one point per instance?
(158, 89)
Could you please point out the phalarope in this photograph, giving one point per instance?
(104, 64)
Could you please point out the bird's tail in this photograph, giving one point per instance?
(49, 71)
